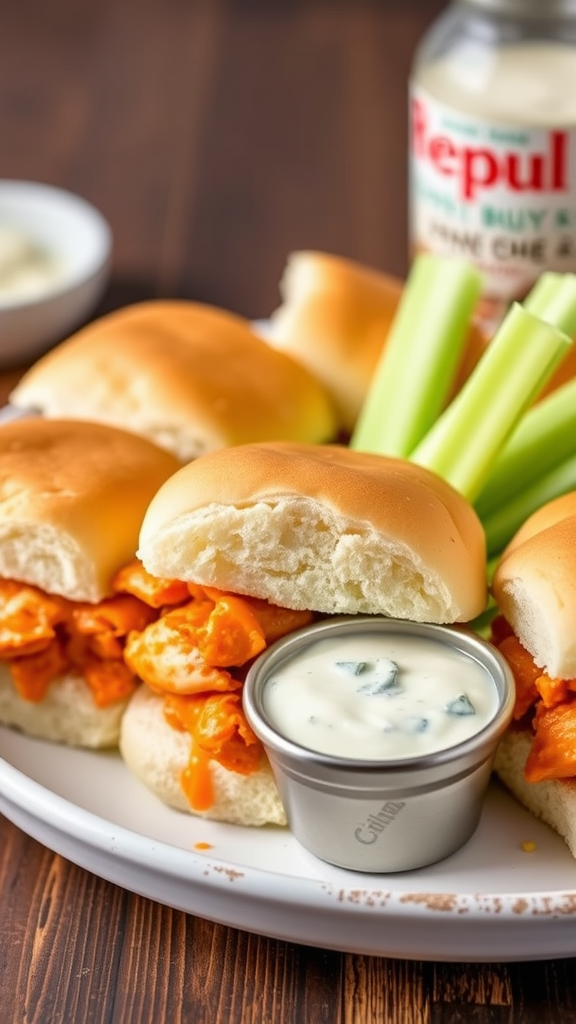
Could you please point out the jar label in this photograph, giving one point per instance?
(502, 197)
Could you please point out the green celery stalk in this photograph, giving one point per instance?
(414, 375)
(546, 434)
(463, 443)
(553, 298)
(545, 437)
(501, 525)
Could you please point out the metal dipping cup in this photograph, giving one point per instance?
(391, 815)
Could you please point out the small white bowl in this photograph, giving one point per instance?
(70, 232)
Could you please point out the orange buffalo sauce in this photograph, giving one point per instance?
(33, 673)
(156, 592)
(219, 733)
(196, 654)
(43, 637)
(549, 704)
(191, 644)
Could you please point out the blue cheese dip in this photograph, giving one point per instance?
(378, 698)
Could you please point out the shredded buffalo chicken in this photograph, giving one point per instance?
(190, 644)
(43, 637)
(547, 704)
(196, 654)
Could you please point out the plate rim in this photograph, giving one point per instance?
(80, 834)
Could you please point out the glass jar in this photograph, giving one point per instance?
(493, 142)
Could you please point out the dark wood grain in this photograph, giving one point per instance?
(76, 948)
(216, 136)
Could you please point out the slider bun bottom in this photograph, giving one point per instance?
(156, 754)
(67, 714)
(553, 802)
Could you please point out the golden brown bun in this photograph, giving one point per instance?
(190, 377)
(553, 801)
(72, 499)
(549, 514)
(335, 317)
(320, 527)
(156, 754)
(535, 587)
(67, 714)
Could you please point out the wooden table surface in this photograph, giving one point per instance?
(216, 136)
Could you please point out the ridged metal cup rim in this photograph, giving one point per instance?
(463, 640)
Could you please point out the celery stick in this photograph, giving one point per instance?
(464, 441)
(420, 358)
(545, 437)
(501, 525)
(553, 299)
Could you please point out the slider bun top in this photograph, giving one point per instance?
(535, 586)
(320, 527)
(190, 377)
(552, 512)
(72, 498)
(335, 317)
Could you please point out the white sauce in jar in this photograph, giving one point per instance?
(379, 698)
(529, 83)
(493, 162)
(27, 271)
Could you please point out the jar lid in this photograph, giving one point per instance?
(527, 8)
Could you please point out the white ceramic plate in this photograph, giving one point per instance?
(491, 901)
(79, 239)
